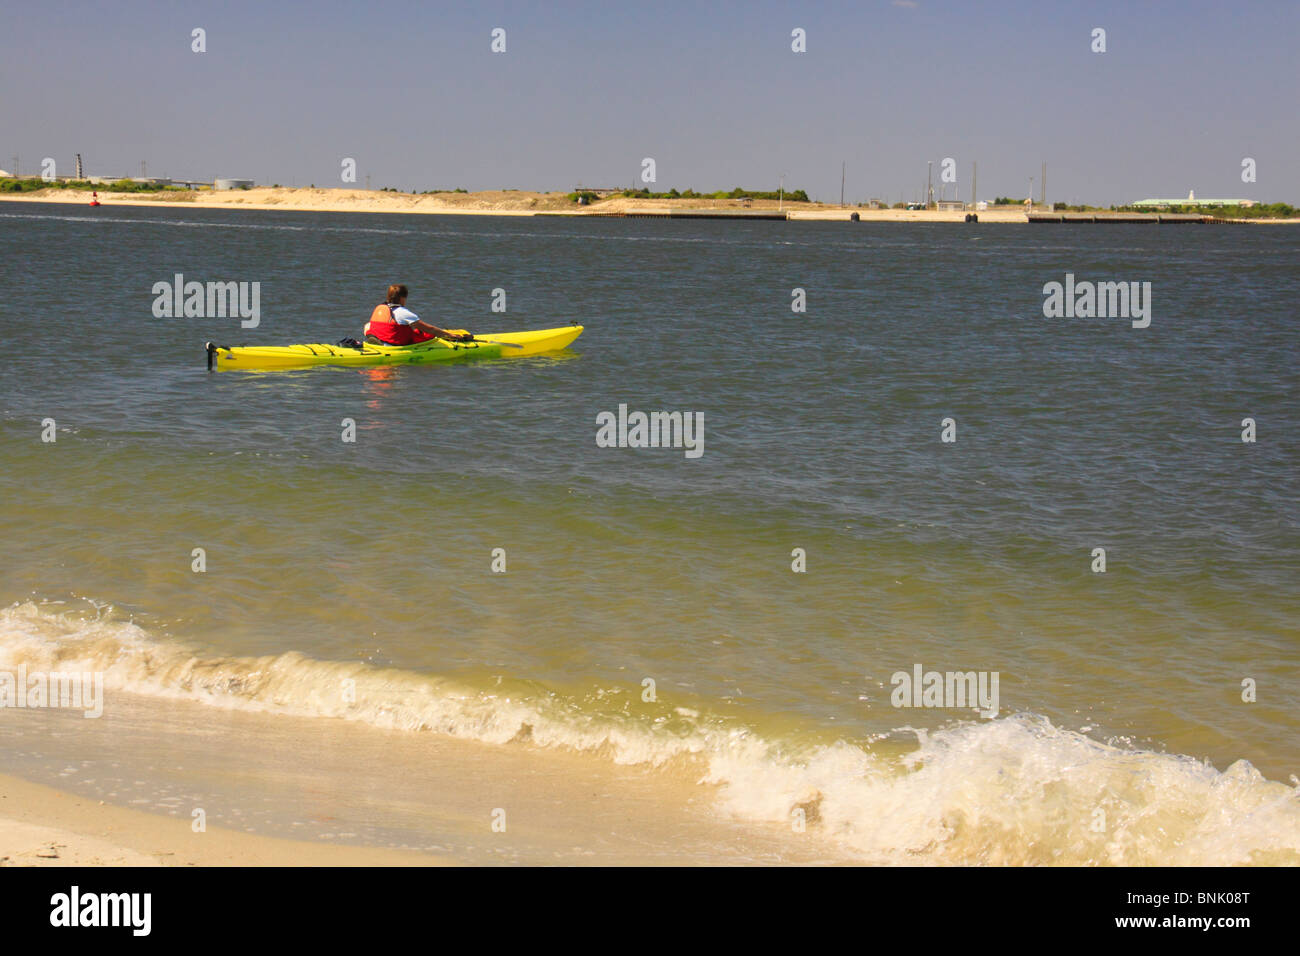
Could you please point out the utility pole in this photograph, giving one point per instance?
(780, 196)
(974, 178)
(15, 165)
(1043, 186)
(144, 174)
(842, 182)
(929, 187)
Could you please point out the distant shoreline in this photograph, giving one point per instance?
(520, 203)
(493, 203)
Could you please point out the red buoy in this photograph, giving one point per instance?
(94, 198)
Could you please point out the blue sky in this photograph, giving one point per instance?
(712, 92)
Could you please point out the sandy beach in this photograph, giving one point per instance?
(490, 203)
(278, 789)
(42, 826)
(512, 202)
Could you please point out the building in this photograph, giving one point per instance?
(1191, 200)
(949, 205)
(232, 184)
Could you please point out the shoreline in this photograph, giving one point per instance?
(278, 785)
(517, 203)
(276, 788)
(496, 203)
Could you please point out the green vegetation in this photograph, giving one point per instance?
(121, 186)
(583, 197)
(1274, 210)
(793, 195)
(1066, 207)
(1008, 201)
(420, 192)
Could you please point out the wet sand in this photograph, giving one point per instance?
(280, 790)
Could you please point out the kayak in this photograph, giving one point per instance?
(497, 345)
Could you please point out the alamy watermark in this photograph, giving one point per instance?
(126, 910)
(210, 300)
(1101, 300)
(651, 430)
(957, 689)
(40, 689)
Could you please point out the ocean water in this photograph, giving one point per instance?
(649, 614)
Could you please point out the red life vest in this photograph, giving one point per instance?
(382, 327)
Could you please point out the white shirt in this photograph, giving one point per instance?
(403, 316)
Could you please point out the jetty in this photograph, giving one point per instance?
(1163, 218)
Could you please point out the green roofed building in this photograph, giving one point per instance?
(1191, 200)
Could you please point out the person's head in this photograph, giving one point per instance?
(396, 294)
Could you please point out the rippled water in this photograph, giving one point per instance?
(822, 433)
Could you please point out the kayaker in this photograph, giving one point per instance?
(392, 323)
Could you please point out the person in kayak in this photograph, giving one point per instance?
(392, 323)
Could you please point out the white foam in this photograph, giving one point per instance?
(1016, 790)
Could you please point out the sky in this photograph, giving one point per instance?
(712, 92)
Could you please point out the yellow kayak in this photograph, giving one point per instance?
(495, 345)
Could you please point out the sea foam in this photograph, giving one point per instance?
(1016, 790)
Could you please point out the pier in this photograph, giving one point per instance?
(1163, 218)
